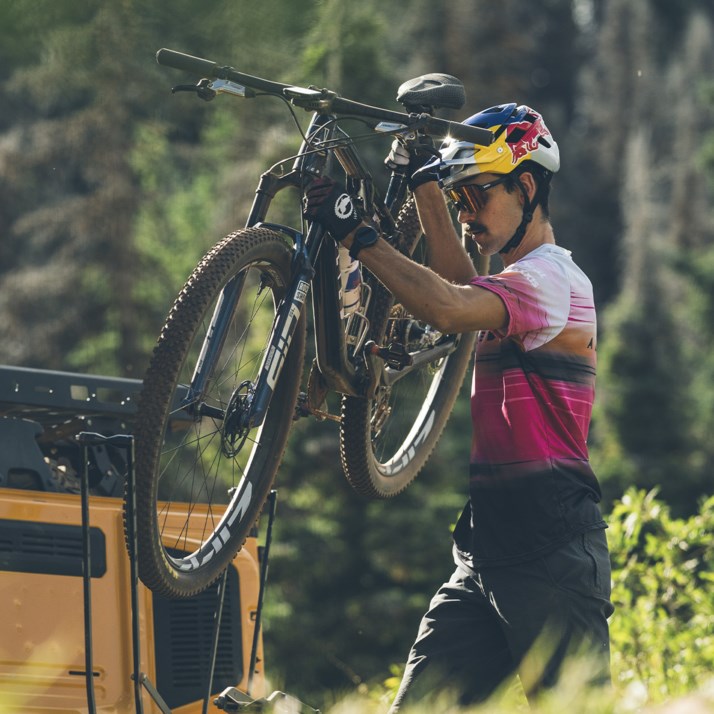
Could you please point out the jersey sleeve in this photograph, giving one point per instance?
(536, 294)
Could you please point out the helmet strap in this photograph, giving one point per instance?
(528, 210)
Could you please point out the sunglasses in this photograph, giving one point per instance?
(472, 197)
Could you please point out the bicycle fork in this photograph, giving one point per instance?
(281, 335)
(249, 403)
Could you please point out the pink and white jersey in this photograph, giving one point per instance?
(531, 485)
(533, 391)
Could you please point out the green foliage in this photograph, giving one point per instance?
(706, 156)
(25, 25)
(345, 49)
(663, 627)
(654, 412)
(171, 226)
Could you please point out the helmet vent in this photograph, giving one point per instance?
(515, 135)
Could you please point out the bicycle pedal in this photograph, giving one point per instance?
(394, 354)
(301, 408)
(313, 402)
(233, 700)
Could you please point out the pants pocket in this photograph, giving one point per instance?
(582, 565)
(595, 545)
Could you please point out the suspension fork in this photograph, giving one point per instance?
(285, 322)
(287, 315)
(268, 186)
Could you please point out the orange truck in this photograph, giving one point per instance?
(44, 635)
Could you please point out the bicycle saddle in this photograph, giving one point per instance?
(432, 91)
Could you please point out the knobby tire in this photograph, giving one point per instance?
(198, 493)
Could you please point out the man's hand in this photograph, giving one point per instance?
(419, 161)
(327, 203)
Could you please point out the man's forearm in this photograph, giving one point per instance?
(447, 255)
(430, 297)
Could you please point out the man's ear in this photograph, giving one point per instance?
(529, 183)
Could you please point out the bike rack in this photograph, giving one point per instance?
(126, 442)
(231, 699)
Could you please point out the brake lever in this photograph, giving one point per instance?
(203, 89)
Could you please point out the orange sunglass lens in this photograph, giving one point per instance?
(467, 198)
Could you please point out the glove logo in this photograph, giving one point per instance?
(343, 207)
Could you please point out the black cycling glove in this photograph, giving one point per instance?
(327, 203)
(419, 160)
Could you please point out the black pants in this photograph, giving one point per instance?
(482, 628)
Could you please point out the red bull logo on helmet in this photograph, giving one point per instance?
(526, 139)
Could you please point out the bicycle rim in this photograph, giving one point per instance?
(201, 482)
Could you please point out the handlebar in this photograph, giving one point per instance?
(324, 101)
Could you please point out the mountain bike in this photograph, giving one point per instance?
(224, 383)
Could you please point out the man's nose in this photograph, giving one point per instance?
(465, 216)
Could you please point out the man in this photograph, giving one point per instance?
(532, 578)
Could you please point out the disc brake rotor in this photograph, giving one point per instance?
(234, 432)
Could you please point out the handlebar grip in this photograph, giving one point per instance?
(206, 68)
(188, 63)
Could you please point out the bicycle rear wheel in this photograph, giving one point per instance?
(200, 483)
(386, 440)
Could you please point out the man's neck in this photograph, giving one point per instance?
(538, 233)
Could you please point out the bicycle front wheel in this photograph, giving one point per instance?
(386, 440)
(201, 482)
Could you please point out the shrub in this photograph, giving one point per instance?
(663, 569)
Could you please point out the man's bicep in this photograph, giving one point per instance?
(483, 309)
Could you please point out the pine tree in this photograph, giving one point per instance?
(652, 378)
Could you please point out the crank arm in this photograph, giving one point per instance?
(391, 376)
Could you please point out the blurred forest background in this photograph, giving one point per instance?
(111, 189)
